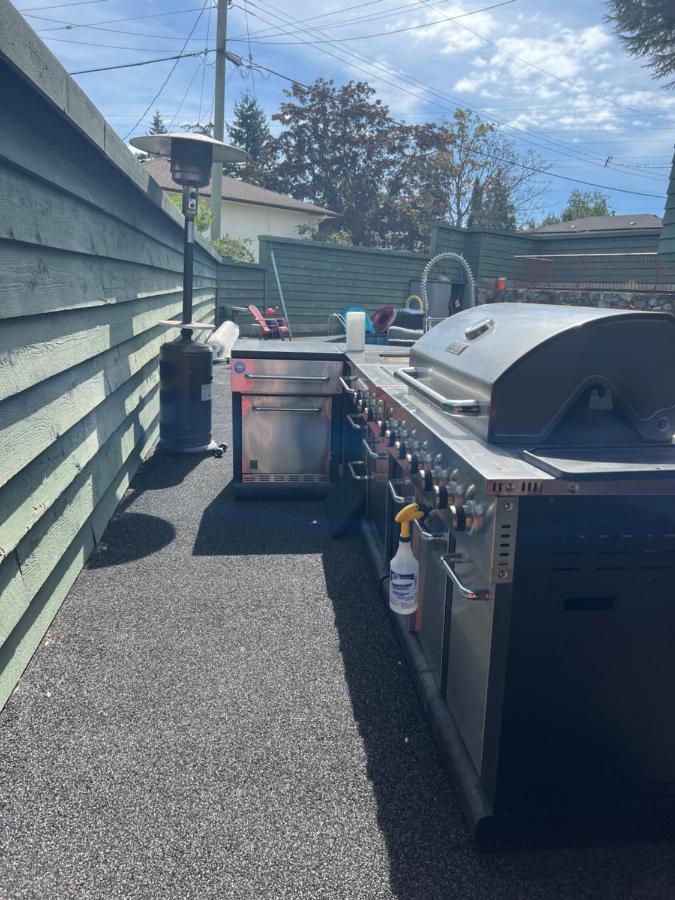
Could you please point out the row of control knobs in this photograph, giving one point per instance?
(439, 483)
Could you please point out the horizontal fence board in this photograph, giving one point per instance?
(47, 280)
(38, 485)
(24, 572)
(30, 422)
(61, 157)
(54, 343)
(17, 650)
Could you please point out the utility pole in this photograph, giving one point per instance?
(219, 115)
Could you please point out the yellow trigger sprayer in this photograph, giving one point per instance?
(403, 570)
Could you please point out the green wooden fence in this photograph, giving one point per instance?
(491, 253)
(91, 261)
(318, 279)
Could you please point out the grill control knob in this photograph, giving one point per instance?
(463, 517)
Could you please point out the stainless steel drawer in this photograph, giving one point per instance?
(286, 376)
(285, 436)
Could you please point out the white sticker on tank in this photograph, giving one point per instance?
(207, 391)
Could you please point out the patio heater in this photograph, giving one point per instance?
(185, 365)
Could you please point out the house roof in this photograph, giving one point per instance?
(236, 191)
(602, 223)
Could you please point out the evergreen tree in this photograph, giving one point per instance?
(249, 131)
(157, 125)
(647, 29)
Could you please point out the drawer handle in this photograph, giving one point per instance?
(350, 466)
(357, 426)
(290, 409)
(253, 377)
(466, 592)
(371, 453)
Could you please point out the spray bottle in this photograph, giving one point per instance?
(403, 570)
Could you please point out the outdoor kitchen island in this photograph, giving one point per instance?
(542, 459)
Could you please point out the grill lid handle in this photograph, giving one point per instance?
(410, 375)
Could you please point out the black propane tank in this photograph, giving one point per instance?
(185, 391)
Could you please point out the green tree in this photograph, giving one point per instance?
(580, 205)
(157, 125)
(233, 248)
(647, 30)
(250, 131)
(204, 214)
(198, 128)
(337, 148)
(491, 205)
(480, 161)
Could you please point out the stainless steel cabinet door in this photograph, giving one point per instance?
(286, 435)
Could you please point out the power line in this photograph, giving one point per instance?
(114, 47)
(534, 169)
(144, 62)
(551, 74)
(250, 54)
(571, 151)
(200, 65)
(206, 47)
(407, 7)
(170, 73)
(363, 37)
(68, 25)
(61, 5)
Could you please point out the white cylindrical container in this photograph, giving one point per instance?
(356, 330)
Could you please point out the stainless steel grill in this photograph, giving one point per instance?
(538, 439)
(560, 375)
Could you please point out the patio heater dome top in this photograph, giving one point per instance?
(161, 145)
(191, 155)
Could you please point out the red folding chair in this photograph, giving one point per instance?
(269, 328)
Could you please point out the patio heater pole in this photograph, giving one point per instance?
(190, 202)
(186, 366)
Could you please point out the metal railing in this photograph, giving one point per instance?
(596, 271)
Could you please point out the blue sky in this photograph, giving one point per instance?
(549, 72)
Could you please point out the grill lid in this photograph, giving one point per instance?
(548, 375)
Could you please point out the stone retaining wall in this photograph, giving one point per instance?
(602, 298)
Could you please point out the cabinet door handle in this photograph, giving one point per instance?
(346, 387)
(397, 498)
(430, 535)
(466, 592)
(350, 466)
(371, 453)
(357, 426)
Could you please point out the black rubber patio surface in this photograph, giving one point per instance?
(221, 709)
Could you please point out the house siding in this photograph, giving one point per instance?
(92, 260)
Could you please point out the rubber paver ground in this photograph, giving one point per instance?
(221, 710)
